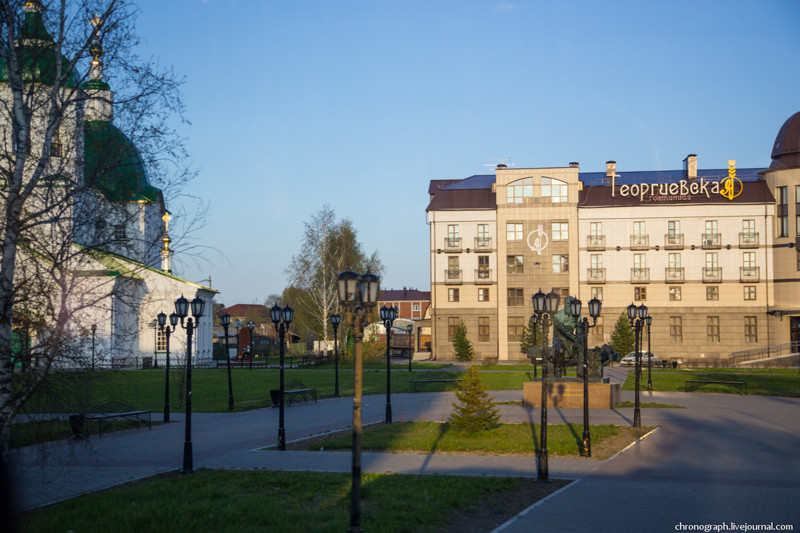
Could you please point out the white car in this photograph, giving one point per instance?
(630, 359)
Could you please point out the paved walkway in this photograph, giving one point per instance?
(725, 459)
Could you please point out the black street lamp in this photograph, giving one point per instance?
(281, 318)
(251, 326)
(410, 329)
(238, 324)
(182, 310)
(154, 325)
(336, 319)
(649, 320)
(388, 315)
(167, 331)
(545, 306)
(94, 331)
(534, 321)
(358, 295)
(225, 322)
(594, 311)
(637, 316)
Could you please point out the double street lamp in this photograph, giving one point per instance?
(388, 315)
(637, 316)
(225, 322)
(336, 319)
(358, 295)
(545, 306)
(281, 318)
(594, 312)
(182, 310)
(167, 331)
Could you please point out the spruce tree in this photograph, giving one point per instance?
(474, 411)
(530, 332)
(623, 337)
(461, 344)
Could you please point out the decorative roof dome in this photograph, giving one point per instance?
(114, 166)
(37, 54)
(786, 150)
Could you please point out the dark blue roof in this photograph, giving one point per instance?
(478, 181)
(668, 176)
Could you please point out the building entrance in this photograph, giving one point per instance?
(794, 332)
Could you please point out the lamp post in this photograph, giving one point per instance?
(637, 317)
(94, 331)
(594, 312)
(649, 320)
(251, 326)
(225, 322)
(410, 329)
(544, 305)
(388, 314)
(182, 310)
(336, 319)
(281, 318)
(534, 321)
(167, 330)
(358, 295)
(154, 325)
(237, 324)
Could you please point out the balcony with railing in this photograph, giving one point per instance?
(483, 276)
(711, 241)
(452, 277)
(595, 275)
(640, 242)
(595, 242)
(749, 274)
(640, 275)
(748, 240)
(712, 274)
(674, 275)
(452, 244)
(673, 241)
(483, 244)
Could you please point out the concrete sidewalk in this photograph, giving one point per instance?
(724, 458)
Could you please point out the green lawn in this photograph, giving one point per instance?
(772, 382)
(243, 502)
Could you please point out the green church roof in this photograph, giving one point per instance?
(113, 164)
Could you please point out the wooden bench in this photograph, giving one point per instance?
(109, 410)
(433, 377)
(292, 390)
(716, 378)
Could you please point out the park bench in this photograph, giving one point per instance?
(110, 410)
(716, 378)
(431, 377)
(292, 390)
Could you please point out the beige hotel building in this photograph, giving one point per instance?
(712, 253)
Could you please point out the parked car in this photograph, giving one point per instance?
(630, 359)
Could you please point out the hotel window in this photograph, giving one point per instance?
(675, 329)
(559, 231)
(483, 236)
(712, 293)
(513, 231)
(483, 329)
(783, 211)
(749, 263)
(749, 292)
(515, 264)
(483, 267)
(453, 270)
(749, 227)
(452, 325)
(674, 269)
(560, 264)
(554, 189)
(515, 326)
(639, 266)
(673, 231)
(640, 294)
(750, 329)
(453, 238)
(595, 233)
(597, 292)
(675, 294)
(561, 291)
(639, 232)
(516, 297)
(712, 328)
(712, 264)
(517, 190)
(596, 332)
(483, 295)
(452, 295)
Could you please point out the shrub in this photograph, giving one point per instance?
(474, 411)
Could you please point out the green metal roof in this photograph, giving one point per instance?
(113, 164)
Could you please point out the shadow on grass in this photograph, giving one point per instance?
(442, 430)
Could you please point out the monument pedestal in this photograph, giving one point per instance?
(569, 394)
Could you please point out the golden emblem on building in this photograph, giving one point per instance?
(729, 188)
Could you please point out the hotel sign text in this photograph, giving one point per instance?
(730, 188)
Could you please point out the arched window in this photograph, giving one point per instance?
(555, 189)
(517, 190)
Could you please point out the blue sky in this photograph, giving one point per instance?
(297, 104)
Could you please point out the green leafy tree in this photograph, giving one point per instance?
(461, 344)
(474, 411)
(623, 338)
